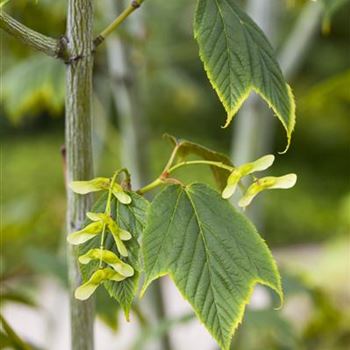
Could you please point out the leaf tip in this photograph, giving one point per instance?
(279, 291)
(228, 121)
(292, 119)
(126, 310)
(231, 112)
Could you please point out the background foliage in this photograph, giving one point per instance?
(177, 98)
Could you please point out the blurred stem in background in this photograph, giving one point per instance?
(254, 132)
(127, 97)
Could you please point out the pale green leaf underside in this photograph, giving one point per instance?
(187, 147)
(32, 86)
(132, 218)
(213, 254)
(239, 59)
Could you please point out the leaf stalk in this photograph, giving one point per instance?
(170, 169)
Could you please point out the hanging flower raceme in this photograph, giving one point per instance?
(100, 222)
(98, 277)
(267, 183)
(111, 267)
(108, 258)
(117, 270)
(243, 170)
(100, 184)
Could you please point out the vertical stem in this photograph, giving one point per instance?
(254, 130)
(127, 98)
(248, 134)
(298, 43)
(79, 153)
(253, 133)
(135, 135)
(158, 303)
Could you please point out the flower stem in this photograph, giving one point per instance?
(109, 199)
(201, 162)
(156, 183)
(108, 208)
(102, 243)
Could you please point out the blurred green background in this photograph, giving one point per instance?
(308, 227)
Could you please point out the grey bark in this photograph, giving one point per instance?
(31, 38)
(79, 154)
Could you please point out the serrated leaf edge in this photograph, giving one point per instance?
(278, 289)
(251, 286)
(231, 112)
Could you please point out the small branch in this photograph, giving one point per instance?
(297, 45)
(51, 47)
(135, 4)
(156, 183)
(165, 175)
(108, 212)
(201, 162)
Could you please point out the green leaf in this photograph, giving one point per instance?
(187, 147)
(107, 309)
(16, 297)
(33, 86)
(239, 59)
(213, 254)
(15, 341)
(5, 342)
(3, 3)
(132, 218)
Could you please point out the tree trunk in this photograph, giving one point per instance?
(79, 154)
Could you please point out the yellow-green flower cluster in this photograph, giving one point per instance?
(85, 291)
(100, 184)
(259, 185)
(100, 222)
(112, 268)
